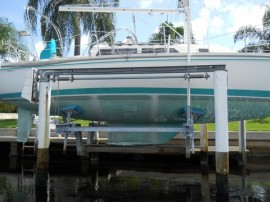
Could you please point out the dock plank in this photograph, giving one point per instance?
(157, 149)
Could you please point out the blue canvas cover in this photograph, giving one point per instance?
(49, 50)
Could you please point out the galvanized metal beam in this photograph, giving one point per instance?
(64, 128)
(89, 8)
(47, 74)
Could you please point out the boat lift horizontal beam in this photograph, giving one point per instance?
(171, 76)
(44, 75)
(64, 128)
(87, 8)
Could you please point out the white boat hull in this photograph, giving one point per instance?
(150, 101)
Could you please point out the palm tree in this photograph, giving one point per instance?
(259, 39)
(11, 45)
(166, 29)
(70, 24)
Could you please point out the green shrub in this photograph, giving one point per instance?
(7, 107)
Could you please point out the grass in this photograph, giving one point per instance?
(8, 123)
(252, 125)
(12, 123)
(7, 107)
(83, 123)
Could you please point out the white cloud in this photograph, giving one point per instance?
(217, 18)
(216, 25)
(148, 3)
(177, 24)
(212, 4)
(243, 15)
(200, 25)
(85, 41)
(39, 46)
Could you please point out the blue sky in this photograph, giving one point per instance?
(213, 21)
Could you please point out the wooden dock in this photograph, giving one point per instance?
(150, 149)
(255, 140)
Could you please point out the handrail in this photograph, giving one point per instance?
(111, 33)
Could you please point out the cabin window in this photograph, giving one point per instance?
(203, 50)
(147, 50)
(173, 50)
(160, 50)
(104, 52)
(125, 51)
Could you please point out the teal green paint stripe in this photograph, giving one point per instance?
(10, 95)
(249, 93)
(202, 91)
(104, 91)
(246, 93)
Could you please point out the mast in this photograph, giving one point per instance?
(184, 4)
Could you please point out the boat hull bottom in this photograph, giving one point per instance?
(151, 110)
(135, 138)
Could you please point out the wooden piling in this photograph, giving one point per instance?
(204, 163)
(43, 159)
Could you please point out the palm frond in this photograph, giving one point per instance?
(30, 16)
(266, 16)
(69, 23)
(247, 32)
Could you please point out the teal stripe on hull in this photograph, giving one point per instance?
(243, 93)
(163, 104)
(180, 91)
(8, 96)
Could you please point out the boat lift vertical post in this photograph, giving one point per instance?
(190, 135)
(222, 135)
(44, 125)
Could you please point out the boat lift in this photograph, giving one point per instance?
(43, 77)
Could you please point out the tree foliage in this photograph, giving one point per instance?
(258, 38)
(70, 24)
(11, 45)
(167, 29)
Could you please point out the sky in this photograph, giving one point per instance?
(213, 21)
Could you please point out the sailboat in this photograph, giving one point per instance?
(101, 87)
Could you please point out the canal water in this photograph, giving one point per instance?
(131, 178)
